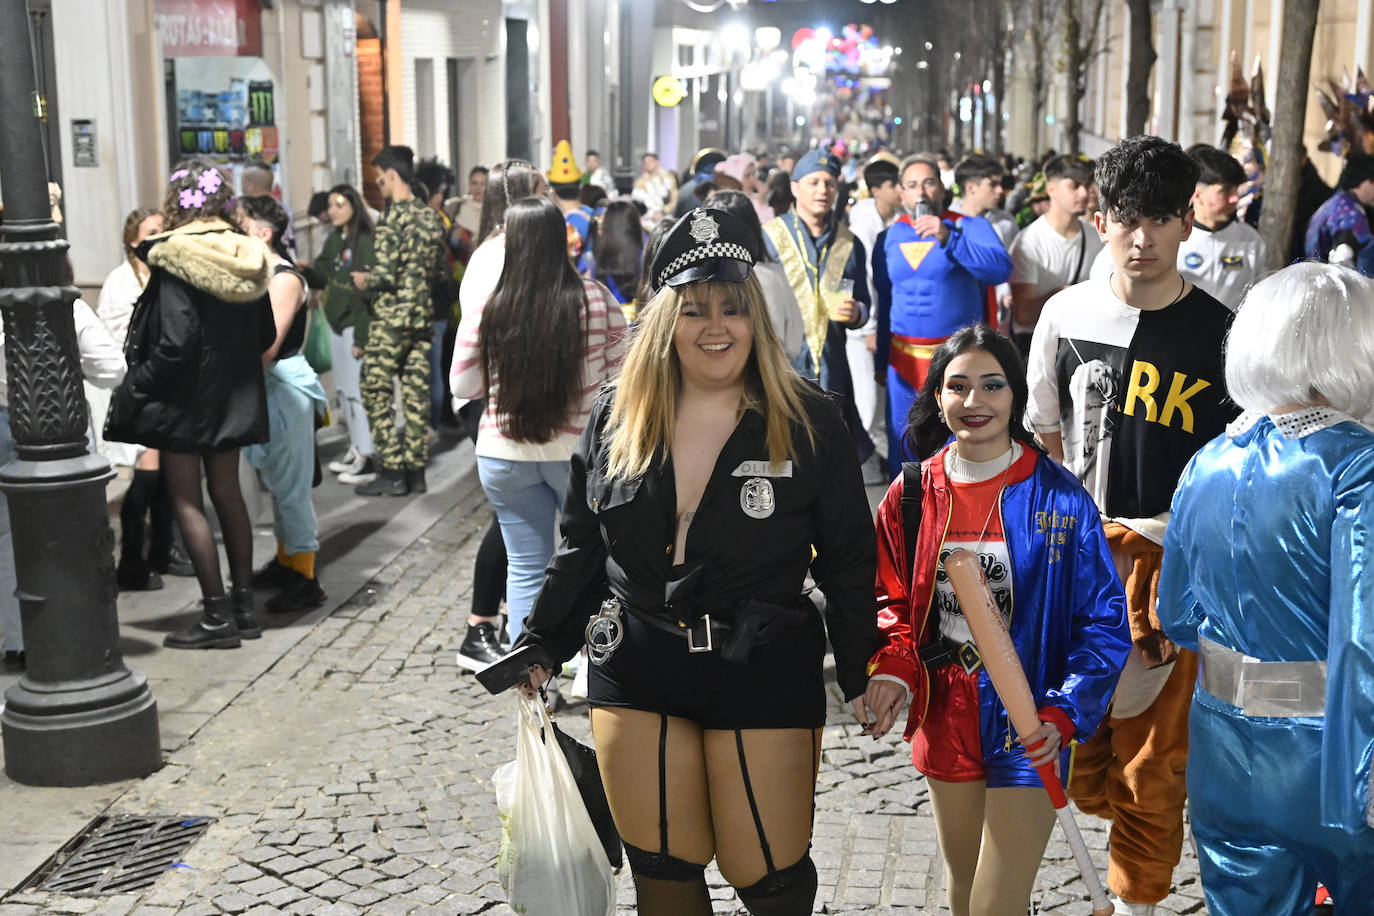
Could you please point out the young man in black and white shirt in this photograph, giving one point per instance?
(1126, 383)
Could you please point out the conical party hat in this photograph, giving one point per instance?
(564, 170)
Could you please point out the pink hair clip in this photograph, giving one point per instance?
(210, 181)
(179, 174)
(191, 199)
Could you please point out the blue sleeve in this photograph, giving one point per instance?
(882, 286)
(772, 249)
(1348, 732)
(1180, 613)
(974, 246)
(1364, 258)
(1100, 638)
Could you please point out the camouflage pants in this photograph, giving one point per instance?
(393, 352)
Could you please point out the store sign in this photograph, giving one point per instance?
(210, 28)
(668, 91)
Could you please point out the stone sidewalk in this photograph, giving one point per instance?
(354, 776)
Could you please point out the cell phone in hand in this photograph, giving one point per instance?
(512, 668)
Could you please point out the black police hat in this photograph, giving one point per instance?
(706, 244)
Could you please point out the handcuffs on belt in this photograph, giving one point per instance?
(605, 631)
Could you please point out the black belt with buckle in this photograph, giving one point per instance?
(751, 623)
(948, 652)
(701, 635)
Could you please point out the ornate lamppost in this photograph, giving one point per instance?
(78, 716)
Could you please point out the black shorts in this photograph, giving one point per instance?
(781, 686)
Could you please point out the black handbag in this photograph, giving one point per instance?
(582, 761)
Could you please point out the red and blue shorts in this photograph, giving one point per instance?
(962, 741)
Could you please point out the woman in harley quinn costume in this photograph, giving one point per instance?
(1037, 534)
(1268, 576)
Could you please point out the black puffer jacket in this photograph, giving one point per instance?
(195, 344)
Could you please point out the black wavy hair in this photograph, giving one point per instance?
(435, 177)
(926, 432)
(1145, 178)
(267, 210)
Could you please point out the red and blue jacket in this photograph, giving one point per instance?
(1068, 617)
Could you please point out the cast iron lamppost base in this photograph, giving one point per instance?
(78, 716)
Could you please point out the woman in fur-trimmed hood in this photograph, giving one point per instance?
(195, 387)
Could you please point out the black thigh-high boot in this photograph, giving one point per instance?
(159, 527)
(134, 572)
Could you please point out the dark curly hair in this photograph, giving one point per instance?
(198, 189)
(1145, 178)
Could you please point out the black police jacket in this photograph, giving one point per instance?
(750, 541)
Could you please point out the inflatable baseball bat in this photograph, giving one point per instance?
(1009, 679)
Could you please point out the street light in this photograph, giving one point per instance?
(78, 716)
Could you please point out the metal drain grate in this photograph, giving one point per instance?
(116, 855)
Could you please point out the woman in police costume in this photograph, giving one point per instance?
(697, 492)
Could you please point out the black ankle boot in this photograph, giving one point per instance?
(415, 480)
(214, 630)
(243, 601)
(389, 482)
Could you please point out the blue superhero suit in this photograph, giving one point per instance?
(927, 291)
(1068, 615)
(1269, 558)
(1341, 221)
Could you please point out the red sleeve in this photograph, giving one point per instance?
(1061, 720)
(898, 654)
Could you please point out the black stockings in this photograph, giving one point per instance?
(489, 573)
(182, 472)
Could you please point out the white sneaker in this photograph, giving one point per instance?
(1132, 909)
(348, 463)
(365, 472)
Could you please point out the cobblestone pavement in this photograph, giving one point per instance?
(354, 776)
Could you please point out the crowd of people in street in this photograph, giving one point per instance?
(677, 387)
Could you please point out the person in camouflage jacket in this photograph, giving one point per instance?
(408, 256)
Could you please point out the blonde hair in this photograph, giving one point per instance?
(645, 407)
(1304, 335)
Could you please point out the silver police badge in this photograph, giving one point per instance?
(703, 228)
(756, 497)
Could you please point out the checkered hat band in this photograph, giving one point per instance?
(702, 253)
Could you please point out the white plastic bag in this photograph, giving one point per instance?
(552, 863)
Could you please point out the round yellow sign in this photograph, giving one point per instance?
(669, 91)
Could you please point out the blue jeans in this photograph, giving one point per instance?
(527, 496)
(287, 461)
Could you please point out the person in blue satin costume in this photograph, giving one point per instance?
(1270, 553)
